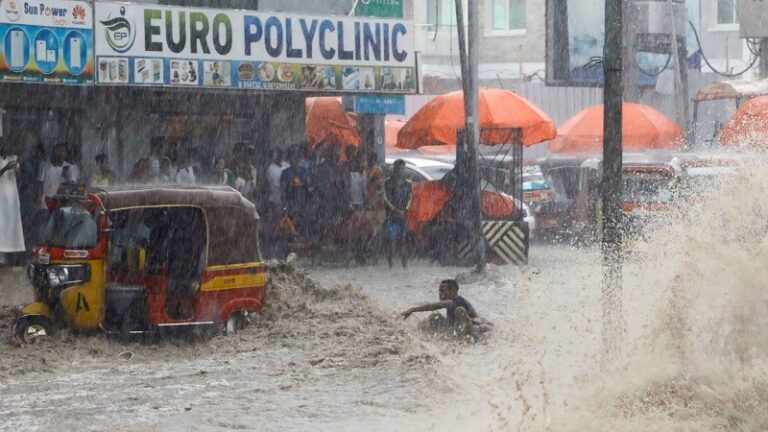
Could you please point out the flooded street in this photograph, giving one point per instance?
(227, 189)
(330, 353)
(332, 358)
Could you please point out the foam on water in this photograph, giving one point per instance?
(695, 351)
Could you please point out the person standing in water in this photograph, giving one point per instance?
(11, 231)
(397, 197)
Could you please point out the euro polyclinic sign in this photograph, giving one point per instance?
(179, 46)
(46, 42)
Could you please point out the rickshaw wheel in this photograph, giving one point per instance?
(30, 328)
(235, 322)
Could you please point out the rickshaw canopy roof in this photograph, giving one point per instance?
(205, 197)
(232, 220)
(731, 90)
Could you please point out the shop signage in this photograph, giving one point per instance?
(180, 46)
(380, 8)
(380, 104)
(46, 41)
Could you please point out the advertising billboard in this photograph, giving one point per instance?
(197, 47)
(576, 36)
(46, 42)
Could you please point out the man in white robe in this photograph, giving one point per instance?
(11, 233)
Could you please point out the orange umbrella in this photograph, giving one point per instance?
(391, 128)
(326, 122)
(643, 128)
(436, 123)
(430, 197)
(748, 126)
(428, 200)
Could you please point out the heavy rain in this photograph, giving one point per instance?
(383, 215)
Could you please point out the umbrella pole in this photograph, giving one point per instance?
(612, 291)
(468, 51)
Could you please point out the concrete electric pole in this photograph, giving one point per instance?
(613, 91)
(468, 52)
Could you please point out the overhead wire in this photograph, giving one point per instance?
(725, 74)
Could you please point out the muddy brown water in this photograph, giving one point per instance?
(330, 353)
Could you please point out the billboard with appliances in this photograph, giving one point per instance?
(196, 47)
(46, 41)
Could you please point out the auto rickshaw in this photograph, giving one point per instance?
(649, 183)
(141, 259)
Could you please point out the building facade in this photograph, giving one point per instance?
(512, 39)
(122, 120)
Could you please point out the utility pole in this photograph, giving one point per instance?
(612, 292)
(471, 135)
(763, 51)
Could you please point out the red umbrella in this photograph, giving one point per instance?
(748, 126)
(437, 122)
(643, 128)
(326, 122)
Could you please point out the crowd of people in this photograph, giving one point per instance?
(304, 195)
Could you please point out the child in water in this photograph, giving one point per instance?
(460, 318)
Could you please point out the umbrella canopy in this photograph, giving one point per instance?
(391, 128)
(748, 126)
(430, 197)
(326, 122)
(436, 123)
(643, 128)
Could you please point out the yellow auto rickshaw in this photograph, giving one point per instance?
(140, 259)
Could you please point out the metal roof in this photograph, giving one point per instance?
(731, 90)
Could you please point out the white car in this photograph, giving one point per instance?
(424, 169)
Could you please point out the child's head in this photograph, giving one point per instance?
(449, 289)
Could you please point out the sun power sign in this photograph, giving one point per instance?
(46, 42)
(179, 46)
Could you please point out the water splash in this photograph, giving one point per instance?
(696, 346)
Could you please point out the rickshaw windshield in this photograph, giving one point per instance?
(71, 226)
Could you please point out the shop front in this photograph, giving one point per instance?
(112, 77)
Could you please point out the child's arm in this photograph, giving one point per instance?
(427, 308)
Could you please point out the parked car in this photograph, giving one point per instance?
(424, 169)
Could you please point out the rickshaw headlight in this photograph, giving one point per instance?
(63, 275)
(67, 275)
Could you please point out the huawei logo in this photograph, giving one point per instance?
(78, 12)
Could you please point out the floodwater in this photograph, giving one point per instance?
(330, 353)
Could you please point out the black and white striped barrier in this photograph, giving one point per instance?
(507, 243)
